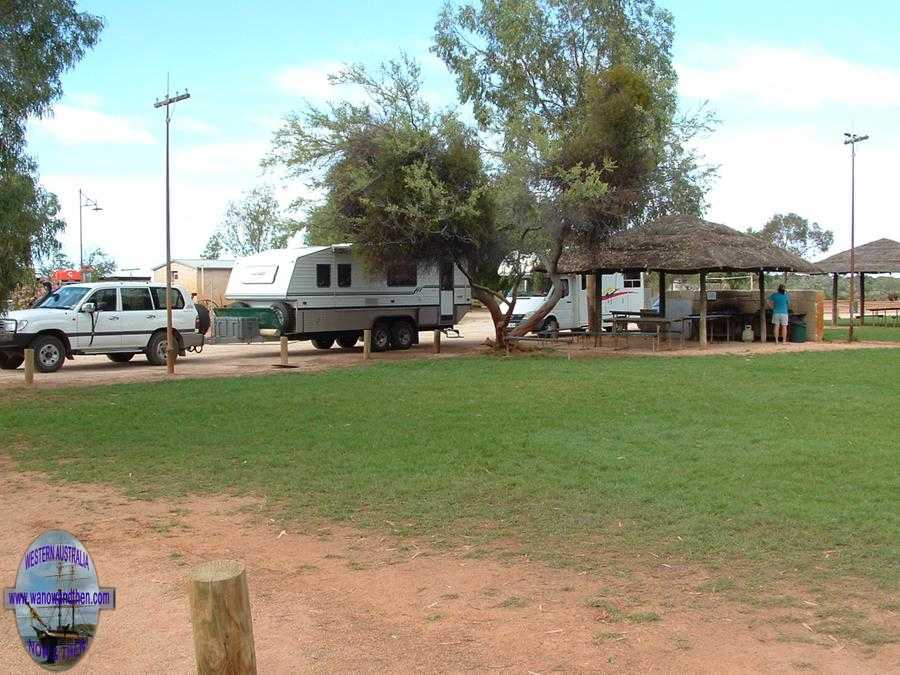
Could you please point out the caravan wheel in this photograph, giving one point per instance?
(402, 335)
(381, 337)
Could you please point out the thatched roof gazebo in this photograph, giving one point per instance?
(877, 257)
(685, 245)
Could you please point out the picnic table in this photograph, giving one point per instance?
(620, 321)
(884, 313)
(710, 319)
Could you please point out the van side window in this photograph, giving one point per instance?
(632, 279)
(344, 275)
(323, 276)
(104, 300)
(565, 287)
(583, 282)
(402, 274)
(136, 300)
(159, 298)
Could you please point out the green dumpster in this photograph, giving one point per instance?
(798, 332)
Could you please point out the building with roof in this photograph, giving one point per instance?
(207, 278)
(881, 256)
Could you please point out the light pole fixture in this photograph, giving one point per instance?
(852, 140)
(83, 200)
(168, 102)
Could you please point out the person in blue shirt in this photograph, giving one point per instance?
(779, 301)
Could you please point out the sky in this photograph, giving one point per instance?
(786, 81)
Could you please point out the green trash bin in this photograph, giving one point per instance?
(798, 332)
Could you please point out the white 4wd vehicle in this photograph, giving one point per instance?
(118, 319)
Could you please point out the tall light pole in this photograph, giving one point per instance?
(83, 200)
(168, 102)
(852, 140)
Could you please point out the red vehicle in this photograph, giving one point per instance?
(65, 276)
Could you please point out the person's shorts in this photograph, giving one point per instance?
(779, 319)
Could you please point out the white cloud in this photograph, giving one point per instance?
(72, 125)
(220, 158)
(194, 125)
(769, 169)
(309, 81)
(786, 78)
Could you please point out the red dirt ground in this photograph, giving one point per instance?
(335, 599)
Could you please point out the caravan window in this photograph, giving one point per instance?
(404, 274)
(632, 279)
(583, 282)
(323, 276)
(344, 275)
(565, 288)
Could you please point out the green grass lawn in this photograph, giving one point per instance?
(771, 460)
(867, 332)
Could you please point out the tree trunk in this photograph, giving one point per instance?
(537, 318)
(497, 316)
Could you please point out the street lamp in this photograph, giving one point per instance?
(83, 200)
(852, 140)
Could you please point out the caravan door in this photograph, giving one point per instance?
(446, 283)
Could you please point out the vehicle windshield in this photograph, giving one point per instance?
(65, 297)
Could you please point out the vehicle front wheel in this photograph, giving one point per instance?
(551, 327)
(11, 360)
(49, 353)
(402, 335)
(381, 337)
(120, 358)
(323, 342)
(156, 349)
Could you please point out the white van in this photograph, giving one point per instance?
(119, 319)
(621, 293)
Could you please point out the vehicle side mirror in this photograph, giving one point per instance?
(88, 307)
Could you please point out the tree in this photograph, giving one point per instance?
(39, 40)
(55, 261)
(583, 95)
(100, 264)
(527, 66)
(796, 234)
(213, 248)
(401, 182)
(253, 224)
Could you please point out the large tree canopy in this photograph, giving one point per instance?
(796, 234)
(39, 40)
(532, 70)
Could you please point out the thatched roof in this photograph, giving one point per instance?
(684, 244)
(879, 256)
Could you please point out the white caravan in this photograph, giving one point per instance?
(621, 293)
(326, 293)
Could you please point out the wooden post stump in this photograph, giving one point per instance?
(284, 351)
(29, 367)
(367, 344)
(220, 619)
(437, 342)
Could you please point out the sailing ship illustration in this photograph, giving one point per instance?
(63, 640)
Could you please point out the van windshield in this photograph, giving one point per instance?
(65, 297)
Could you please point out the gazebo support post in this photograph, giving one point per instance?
(862, 298)
(591, 290)
(834, 299)
(598, 307)
(702, 310)
(762, 307)
(662, 293)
